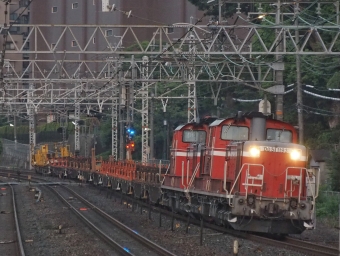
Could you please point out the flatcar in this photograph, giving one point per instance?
(247, 172)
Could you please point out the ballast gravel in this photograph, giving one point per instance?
(40, 222)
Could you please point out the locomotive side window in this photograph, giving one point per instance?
(190, 136)
(279, 135)
(235, 133)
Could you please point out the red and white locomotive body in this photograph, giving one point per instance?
(249, 172)
(186, 153)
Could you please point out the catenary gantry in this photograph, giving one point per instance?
(81, 77)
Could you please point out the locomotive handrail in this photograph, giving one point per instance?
(188, 165)
(253, 178)
(183, 173)
(310, 185)
(318, 183)
(193, 175)
(225, 179)
(160, 169)
(164, 175)
(291, 179)
(238, 176)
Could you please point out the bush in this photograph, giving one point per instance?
(105, 155)
(327, 206)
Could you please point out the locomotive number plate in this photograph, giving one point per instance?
(276, 149)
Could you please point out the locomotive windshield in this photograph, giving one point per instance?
(191, 136)
(235, 133)
(279, 135)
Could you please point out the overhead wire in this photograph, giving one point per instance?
(158, 55)
(207, 62)
(175, 43)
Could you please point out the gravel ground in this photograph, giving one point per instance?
(178, 241)
(8, 238)
(40, 221)
(326, 233)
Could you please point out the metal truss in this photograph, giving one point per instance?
(63, 124)
(229, 59)
(288, 2)
(31, 119)
(83, 76)
(192, 106)
(208, 36)
(145, 111)
(76, 128)
(114, 120)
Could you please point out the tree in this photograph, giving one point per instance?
(334, 167)
(228, 10)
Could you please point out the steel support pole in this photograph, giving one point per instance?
(114, 118)
(192, 100)
(122, 103)
(279, 72)
(15, 131)
(201, 232)
(76, 129)
(63, 123)
(298, 78)
(145, 111)
(152, 132)
(219, 11)
(31, 119)
(114, 124)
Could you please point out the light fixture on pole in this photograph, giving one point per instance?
(219, 9)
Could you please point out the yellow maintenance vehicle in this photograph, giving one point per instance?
(41, 156)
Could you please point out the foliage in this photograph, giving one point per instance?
(105, 133)
(334, 167)
(326, 206)
(8, 131)
(105, 155)
(211, 9)
(48, 127)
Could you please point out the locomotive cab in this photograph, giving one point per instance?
(188, 143)
(270, 179)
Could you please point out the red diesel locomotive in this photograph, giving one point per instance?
(248, 172)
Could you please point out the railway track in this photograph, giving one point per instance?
(288, 242)
(10, 236)
(125, 240)
(311, 248)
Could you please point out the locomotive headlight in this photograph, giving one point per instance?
(295, 154)
(254, 152)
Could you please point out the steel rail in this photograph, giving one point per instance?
(323, 250)
(288, 242)
(153, 246)
(17, 227)
(105, 237)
